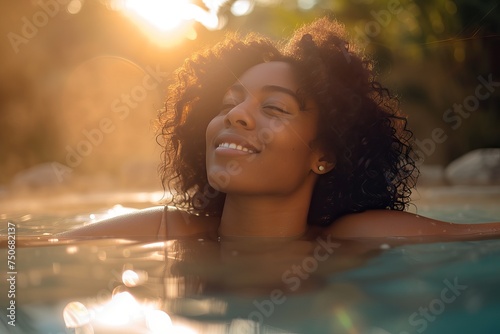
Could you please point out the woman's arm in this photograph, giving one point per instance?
(388, 223)
(139, 225)
(147, 224)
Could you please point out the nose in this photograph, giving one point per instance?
(240, 116)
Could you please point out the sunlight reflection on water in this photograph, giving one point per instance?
(75, 314)
(201, 286)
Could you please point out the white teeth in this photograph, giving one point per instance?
(235, 147)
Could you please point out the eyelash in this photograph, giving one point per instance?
(283, 111)
(228, 106)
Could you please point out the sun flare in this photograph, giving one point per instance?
(164, 15)
(168, 22)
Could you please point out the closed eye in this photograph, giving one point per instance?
(227, 107)
(276, 109)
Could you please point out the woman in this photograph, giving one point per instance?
(280, 143)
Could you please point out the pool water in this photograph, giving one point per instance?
(206, 286)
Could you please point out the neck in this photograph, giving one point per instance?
(261, 216)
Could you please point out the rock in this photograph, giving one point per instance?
(41, 176)
(431, 175)
(478, 167)
(139, 174)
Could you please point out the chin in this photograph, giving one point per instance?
(219, 181)
(229, 186)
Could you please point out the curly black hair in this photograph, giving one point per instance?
(361, 126)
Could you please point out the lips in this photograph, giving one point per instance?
(235, 142)
(233, 146)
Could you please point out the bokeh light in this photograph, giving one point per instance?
(167, 23)
(69, 62)
(75, 315)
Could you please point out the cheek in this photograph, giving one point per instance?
(297, 140)
(291, 154)
(298, 153)
(212, 129)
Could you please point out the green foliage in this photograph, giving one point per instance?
(430, 52)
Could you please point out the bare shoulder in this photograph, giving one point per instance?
(179, 223)
(140, 224)
(390, 223)
(154, 223)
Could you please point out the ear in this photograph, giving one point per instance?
(323, 165)
(322, 162)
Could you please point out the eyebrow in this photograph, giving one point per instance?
(271, 88)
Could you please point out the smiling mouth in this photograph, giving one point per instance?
(237, 147)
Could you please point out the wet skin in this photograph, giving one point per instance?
(261, 152)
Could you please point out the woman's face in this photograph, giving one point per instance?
(260, 142)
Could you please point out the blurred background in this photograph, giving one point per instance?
(81, 81)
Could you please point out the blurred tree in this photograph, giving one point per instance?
(430, 52)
